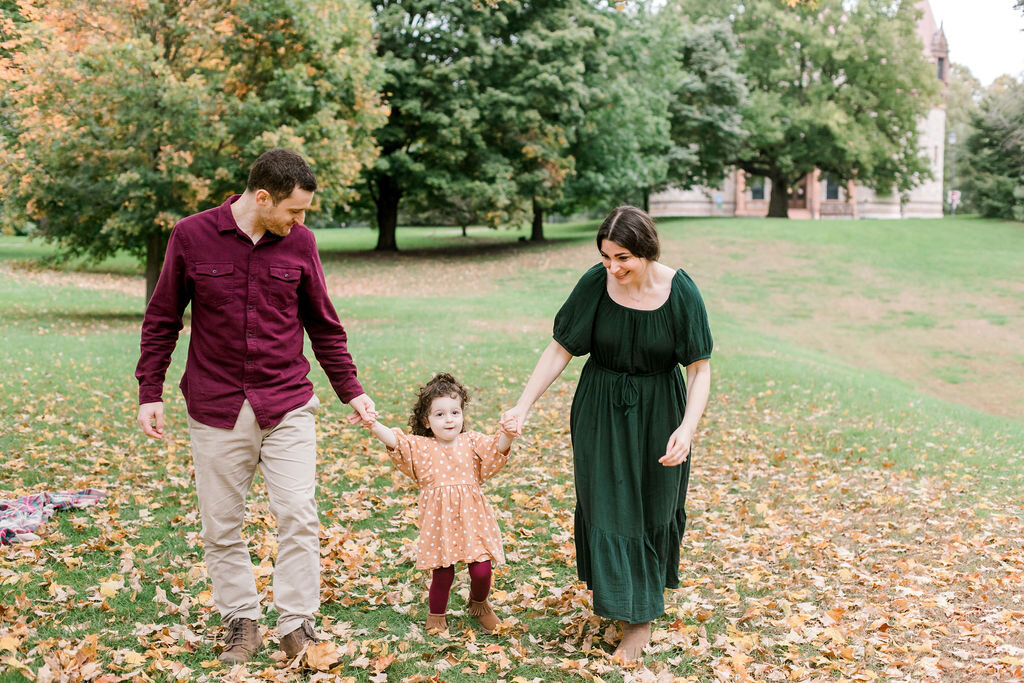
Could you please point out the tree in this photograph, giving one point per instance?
(961, 104)
(483, 101)
(708, 100)
(541, 95)
(995, 150)
(665, 110)
(431, 146)
(621, 146)
(129, 116)
(835, 85)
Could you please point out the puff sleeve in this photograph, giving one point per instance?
(402, 454)
(489, 460)
(693, 333)
(574, 321)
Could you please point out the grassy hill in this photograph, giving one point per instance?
(854, 504)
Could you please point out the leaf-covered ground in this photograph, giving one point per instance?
(840, 528)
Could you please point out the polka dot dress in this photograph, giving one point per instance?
(456, 523)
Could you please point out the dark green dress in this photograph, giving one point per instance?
(630, 398)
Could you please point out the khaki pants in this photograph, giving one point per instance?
(225, 462)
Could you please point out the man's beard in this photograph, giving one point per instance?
(272, 228)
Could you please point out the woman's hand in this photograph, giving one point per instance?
(678, 448)
(509, 425)
(513, 419)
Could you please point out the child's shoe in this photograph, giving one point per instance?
(485, 616)
(437, 622)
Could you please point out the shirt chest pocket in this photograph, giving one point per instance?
(284, 286)
(215, 283)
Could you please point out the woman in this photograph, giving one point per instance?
(633, 418)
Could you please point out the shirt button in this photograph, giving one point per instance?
(252, 278)
(214, 271)
(251, 307)
(250, 335)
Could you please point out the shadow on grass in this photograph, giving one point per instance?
(457, 249)
(55, 315)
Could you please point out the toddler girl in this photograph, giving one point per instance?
(456, 523)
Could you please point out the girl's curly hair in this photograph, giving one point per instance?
(442, 384)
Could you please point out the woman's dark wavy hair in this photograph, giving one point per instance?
(442, 384)
(633, 229)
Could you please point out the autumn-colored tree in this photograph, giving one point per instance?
(125, 117)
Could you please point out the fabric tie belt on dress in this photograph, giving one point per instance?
(626, 393)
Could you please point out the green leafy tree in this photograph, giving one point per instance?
(665, 110)
(835, 85)
(484, 102)
(622, 144)
(961, 104)
(995, 151)
(541, 94)
(432, 153)
(128, 116)
(707, 105)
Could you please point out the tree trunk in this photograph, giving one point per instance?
(388, 196)
(778, 205)
(464, 231)
(537, 231)
(156, 245)
(647, 200)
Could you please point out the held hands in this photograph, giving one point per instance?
(678, 448)
(509, 426)
(512, 421)
(363, 410)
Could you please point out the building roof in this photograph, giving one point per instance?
(931, 34)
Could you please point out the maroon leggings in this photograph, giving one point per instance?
(441, 585)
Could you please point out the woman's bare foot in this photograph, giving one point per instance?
(634, 637)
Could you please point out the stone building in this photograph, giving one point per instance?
(819, 196)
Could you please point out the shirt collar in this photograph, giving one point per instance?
(225, 219)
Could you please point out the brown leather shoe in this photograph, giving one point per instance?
(293, 643)
(437, 622)
(242, 641)
(485, 616)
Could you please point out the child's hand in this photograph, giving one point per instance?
(509, 425)
(513, 419)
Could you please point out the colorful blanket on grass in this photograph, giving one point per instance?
(21, 517)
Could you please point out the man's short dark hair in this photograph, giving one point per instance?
(279, 172)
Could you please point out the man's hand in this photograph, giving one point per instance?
(362, 410)
(151, 419)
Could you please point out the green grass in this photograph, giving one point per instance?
(480, 307)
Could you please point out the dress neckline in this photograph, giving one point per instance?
(663, 304)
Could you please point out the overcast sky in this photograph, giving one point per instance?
(983, 35)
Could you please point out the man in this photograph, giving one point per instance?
(251, 271)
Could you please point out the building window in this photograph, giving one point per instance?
(757, 187)
(942, 69)
(831, 187)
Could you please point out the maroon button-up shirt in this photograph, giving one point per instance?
(250, 304)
